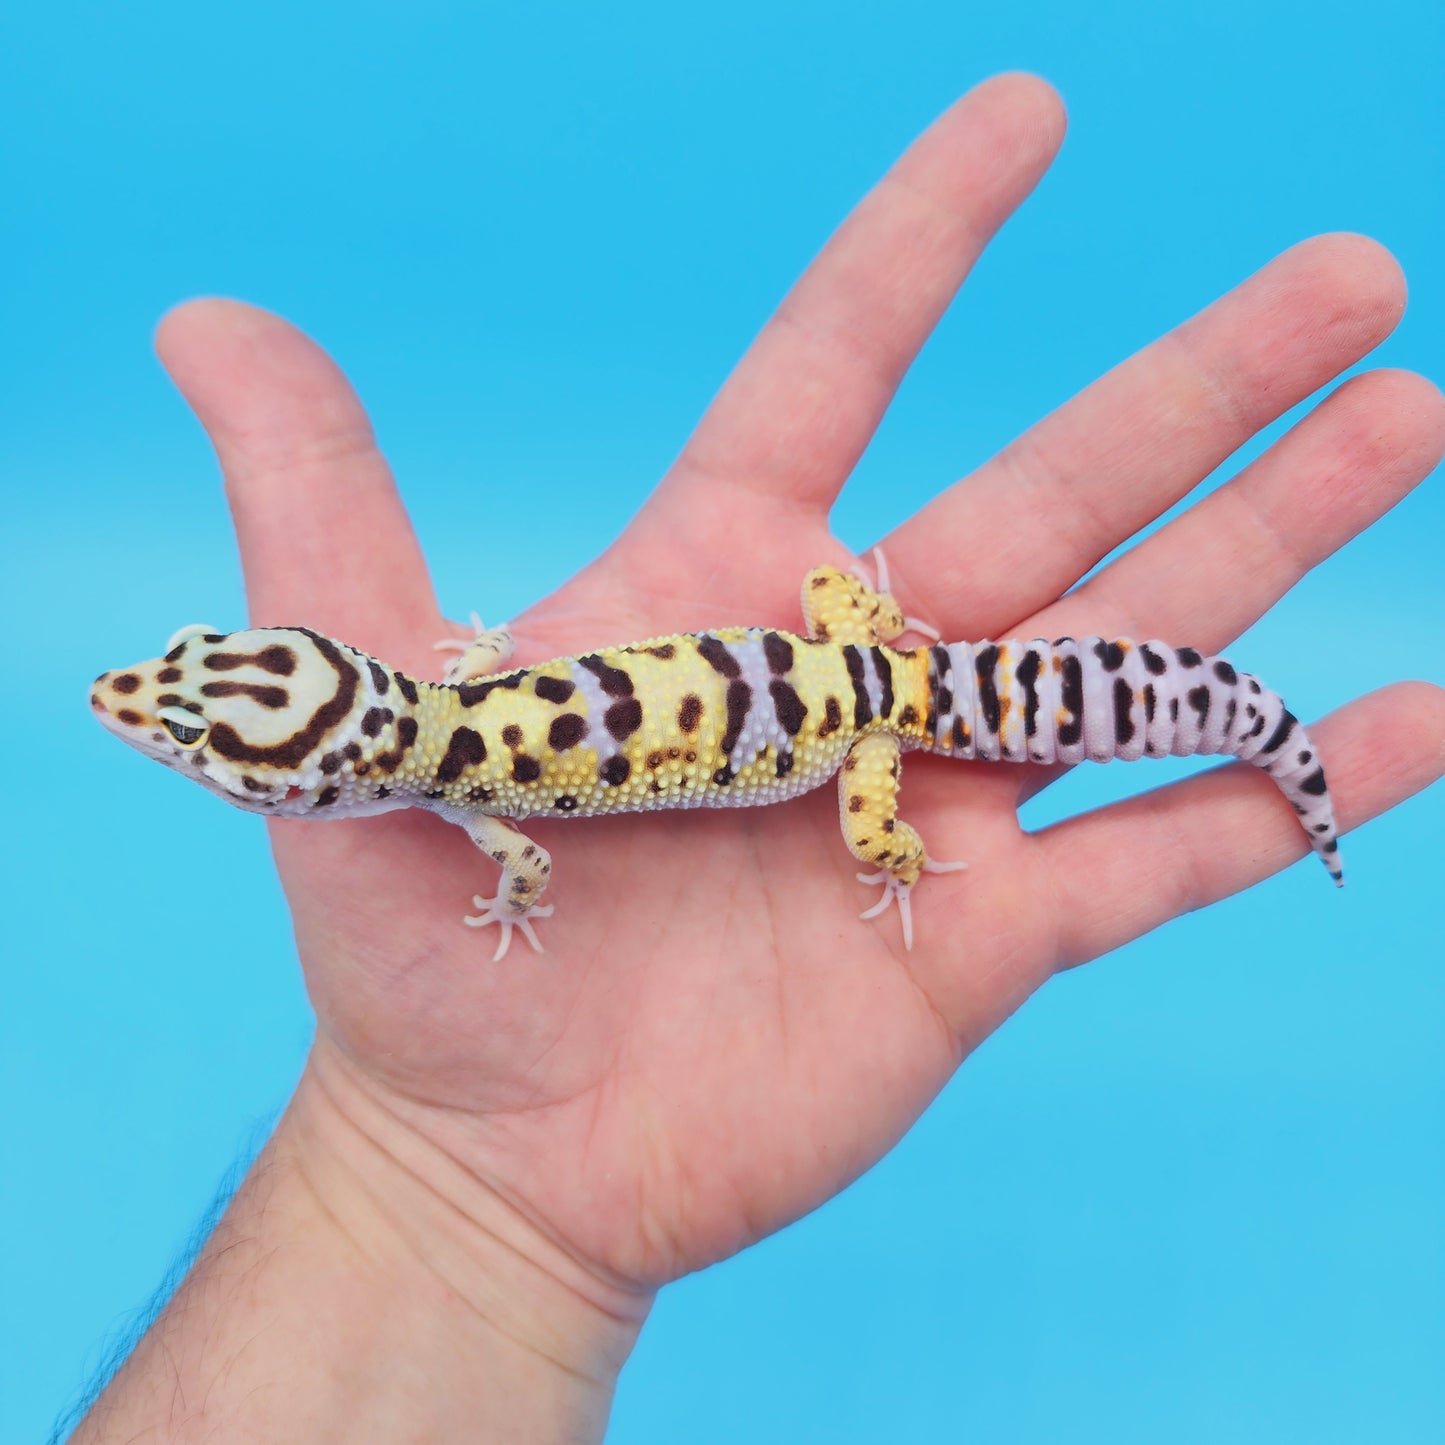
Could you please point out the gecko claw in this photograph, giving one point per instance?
(492, 912)
(894, 888)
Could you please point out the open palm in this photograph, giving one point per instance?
(712, 1043)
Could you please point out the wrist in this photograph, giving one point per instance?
(364, 1286)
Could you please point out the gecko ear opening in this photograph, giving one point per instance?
(186, 727)
(184, 634)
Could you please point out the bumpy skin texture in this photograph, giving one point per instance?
(287, 722)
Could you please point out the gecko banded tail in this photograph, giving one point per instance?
(1091, 698)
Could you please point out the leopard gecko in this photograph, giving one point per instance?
(285, 722)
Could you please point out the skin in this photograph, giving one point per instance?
(487, 1171)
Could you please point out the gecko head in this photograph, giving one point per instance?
(249, 715)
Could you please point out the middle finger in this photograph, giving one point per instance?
(1029, 523)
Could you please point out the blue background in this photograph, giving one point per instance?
(1194, 1192)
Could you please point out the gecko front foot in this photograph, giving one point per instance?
(494, 910)
(896, 888)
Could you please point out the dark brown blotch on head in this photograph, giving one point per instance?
(129, 717)
(689, 712)
(169, 675)
(127, 682)
(512, 735)
(567, 731)
(297, 748)
(265, 694)
(554, 689)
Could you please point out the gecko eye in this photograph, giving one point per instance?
(186, 727)
(184, 634)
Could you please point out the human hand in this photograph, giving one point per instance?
(712, 1043)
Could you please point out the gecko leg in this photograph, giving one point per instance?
(488, 651)
(842, 607)
(525, 871)
(868, 810)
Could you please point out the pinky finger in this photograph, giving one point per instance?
(1120, 871)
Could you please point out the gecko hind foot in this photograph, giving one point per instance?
(895, 888)
(507, 920)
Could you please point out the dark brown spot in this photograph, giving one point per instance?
(565, 803)
(715, 654)
(554, 689)
(790, 708)
(465, 749)
(862, 707)
(1027, 672)
(169, 674)
(126, 682)
(1283, 728)
(326, 797)
(525, 769)
(885, 681)
(406, 687)
(666, 651)
(374, 719)
(612, 680)
(1152, 661)
(1225, 673)
(1188, 657)
(1071, 700)
(567, 730)
(889, 824)
(785, 764)
(654, 759)
(832, 717)
(689, 712)
(779, 652)
(985, 663)
(331, 763)
(126, 715)
(1111, 654)
(1124, 728)
(856, 803)
(623, 718)
(251, 785)
(469, 694)
(616, 771)
(739, 699)
(380, 680)
(512, 735)
(724, 775)
(1314, 784)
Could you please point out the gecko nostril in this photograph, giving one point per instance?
(96, 703)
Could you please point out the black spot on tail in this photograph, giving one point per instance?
(985, 661)
(862, 707)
